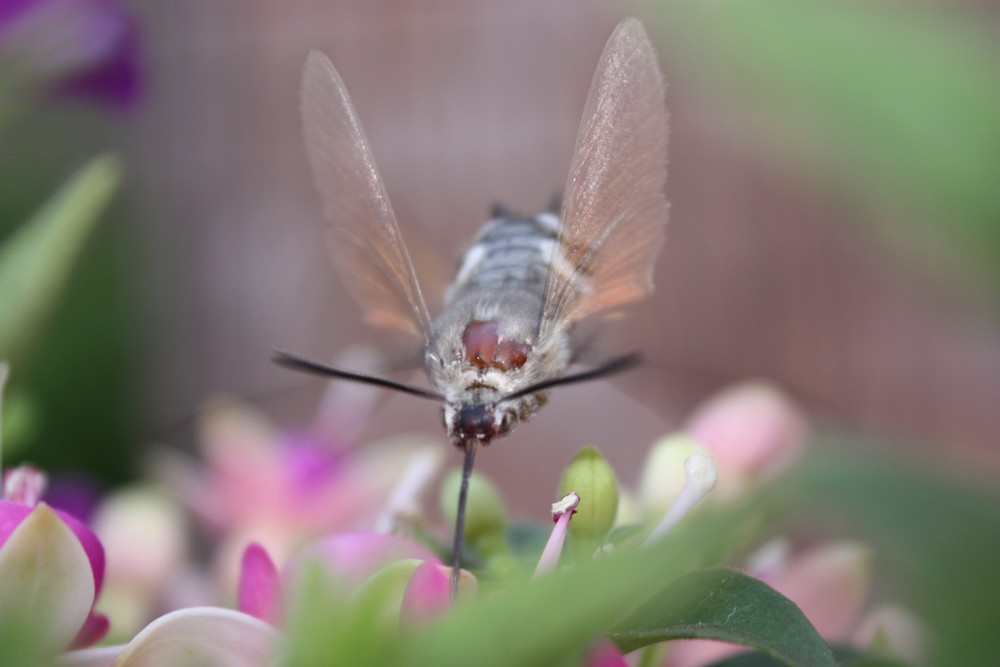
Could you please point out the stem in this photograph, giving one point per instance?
(463, 494)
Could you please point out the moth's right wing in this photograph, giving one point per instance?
(614, 209)
(365, 241)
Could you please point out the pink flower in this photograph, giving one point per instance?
(353, 560)
(144, 536)
(353, 557)
(283, 490)
(427, 594)
(562, 512)
(753, 431)
(606, 654)
(52, 568)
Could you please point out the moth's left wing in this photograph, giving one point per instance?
(365, 241)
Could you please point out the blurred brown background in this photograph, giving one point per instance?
(766, 272)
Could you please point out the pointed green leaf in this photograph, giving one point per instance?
(728, 606)
(35, 262)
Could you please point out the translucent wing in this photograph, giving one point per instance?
(364, 239)
(614, 209)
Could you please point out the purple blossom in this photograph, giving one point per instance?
(73, 48)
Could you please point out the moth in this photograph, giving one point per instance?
(503, 340)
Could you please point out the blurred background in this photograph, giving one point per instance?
(835, 216)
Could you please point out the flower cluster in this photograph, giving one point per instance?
(293, 513)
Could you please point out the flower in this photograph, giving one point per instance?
(754, 432)
(52, 567)
(193, 636)
(144, 536)
(700, 476)
(286, 489)
(75, 48)
(427, 594)
(259, 592)
(562, 512)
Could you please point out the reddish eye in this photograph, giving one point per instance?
(480, 340)
(511, 354)
(484, 349)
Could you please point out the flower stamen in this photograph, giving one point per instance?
(562, 512)
(700, 476)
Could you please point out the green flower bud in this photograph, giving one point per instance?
(593, 478)
(485, 515)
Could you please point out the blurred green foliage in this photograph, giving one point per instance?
(36, 261)
(896, 102)
(938, 533)
(70, 404)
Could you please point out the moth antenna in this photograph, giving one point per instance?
(616, 365)
(463, 494)
(289, 360)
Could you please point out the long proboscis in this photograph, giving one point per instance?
(294, 362)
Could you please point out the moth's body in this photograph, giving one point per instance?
(502, 340)
(488, 342)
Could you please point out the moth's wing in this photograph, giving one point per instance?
(614, 209)
(364, 238)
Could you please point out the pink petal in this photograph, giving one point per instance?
(260, 593)
(698, 652)
(93, 630)
(202, 636)
(895, 631)
(829, 584)
(427, 594)
(606, 654)
(750, 429)
(356, 556)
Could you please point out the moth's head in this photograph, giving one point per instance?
(478, 421)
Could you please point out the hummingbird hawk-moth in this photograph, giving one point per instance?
(503, 341)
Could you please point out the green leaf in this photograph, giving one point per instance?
(36, 261)
(728, 606)
(555, 619)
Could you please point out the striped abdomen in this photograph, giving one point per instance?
(511, 253)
